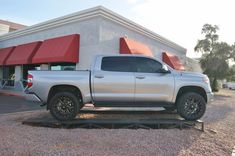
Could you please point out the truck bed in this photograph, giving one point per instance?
(44, 80)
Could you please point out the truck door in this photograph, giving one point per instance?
(114, 82)
(152, 86)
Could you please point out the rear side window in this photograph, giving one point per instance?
(117, 64)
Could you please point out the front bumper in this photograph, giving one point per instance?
(210, 97)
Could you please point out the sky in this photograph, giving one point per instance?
(180, 21)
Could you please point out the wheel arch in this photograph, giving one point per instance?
(196, 89)
(64, 88)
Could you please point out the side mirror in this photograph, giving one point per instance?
(164, 69)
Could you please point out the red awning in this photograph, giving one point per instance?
(60, 49)
(22, 54)
(4, 54)
(172, 61)
(129, 46)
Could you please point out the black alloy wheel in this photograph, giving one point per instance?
(191, 106)
(64, 106)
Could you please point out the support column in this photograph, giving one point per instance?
(18, 77)
(77, 66)
(18, 73)
(44, 67)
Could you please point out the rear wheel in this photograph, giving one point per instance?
(64, 106)
(191, 106)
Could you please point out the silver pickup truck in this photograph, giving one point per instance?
(121, 81)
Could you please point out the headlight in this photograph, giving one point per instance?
(206, 79)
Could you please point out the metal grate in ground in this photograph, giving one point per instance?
(118, 120)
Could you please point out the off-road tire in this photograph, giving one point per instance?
(64, 106)
(191, 106)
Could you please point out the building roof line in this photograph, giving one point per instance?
(90, 13)
(12, 25)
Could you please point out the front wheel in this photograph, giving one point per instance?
(64, 106)
(191, 106)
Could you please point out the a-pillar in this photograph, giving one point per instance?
(18, 78)
(44, 67)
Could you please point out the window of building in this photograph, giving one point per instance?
(118, 64)
(63, 66)
(9, 75)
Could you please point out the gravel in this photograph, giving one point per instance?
(218, 138)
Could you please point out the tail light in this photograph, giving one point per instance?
(29, 80)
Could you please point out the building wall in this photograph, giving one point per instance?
(193, 65)
(97, 36)
(4, 29)
(111, 32)
(88, 30)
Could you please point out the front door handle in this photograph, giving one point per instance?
(99, 76)
(140, 77)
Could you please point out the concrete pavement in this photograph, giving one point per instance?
(12, 104)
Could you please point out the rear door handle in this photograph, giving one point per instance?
(140, 77)
(99, 76)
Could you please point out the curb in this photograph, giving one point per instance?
(12, 94)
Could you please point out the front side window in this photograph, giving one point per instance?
(117, 64)
(147, 65)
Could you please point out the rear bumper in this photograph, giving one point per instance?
(210, 97)
(32, 97)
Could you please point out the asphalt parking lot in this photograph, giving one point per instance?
(12, 104)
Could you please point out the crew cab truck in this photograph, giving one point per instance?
(121, 81)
